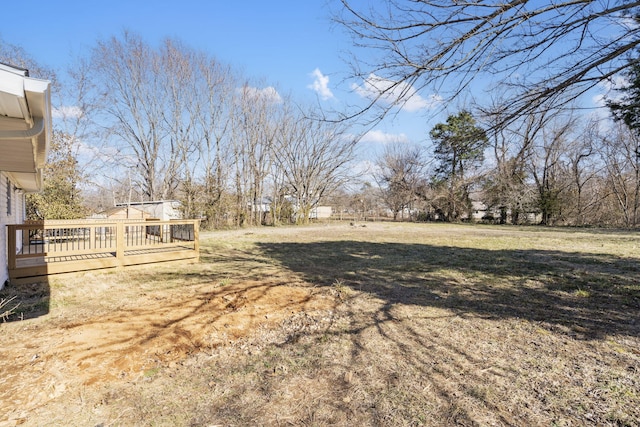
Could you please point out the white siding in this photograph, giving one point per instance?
(15, 216)
(4, 272)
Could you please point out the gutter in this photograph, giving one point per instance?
(35, 130)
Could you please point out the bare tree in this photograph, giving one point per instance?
(180, 75)
(400, 173)
(312, 156)
(128, 75)
(186, 129)
(254, 123)
(212, 108)
(620, 157)
(544, 50)
(550, 168)
(584, 171)
(16, 56)
(507, 185)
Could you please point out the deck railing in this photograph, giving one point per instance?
(50, 247)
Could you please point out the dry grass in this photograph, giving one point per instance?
(7, 310)
(411, 324)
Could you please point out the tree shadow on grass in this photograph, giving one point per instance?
(391, 363)
(586, 295)
(372, 364)
(25, 301)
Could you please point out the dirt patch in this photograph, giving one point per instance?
(125, 345)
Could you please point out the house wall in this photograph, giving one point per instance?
(12, 211)
(165, 210)
(127, 213)
(320, 212)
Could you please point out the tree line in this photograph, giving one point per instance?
(535, 62)
(185, 126)
(169, 122)
(172, 123)
(551, 168)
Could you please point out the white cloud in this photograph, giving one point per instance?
(67, 112)
(400, 93)
(321, 85)
(608, 90)
(365, 170)
(269, 94)
(628, 23)
(380, 137)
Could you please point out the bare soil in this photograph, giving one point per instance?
(49, 362)
(388, 324)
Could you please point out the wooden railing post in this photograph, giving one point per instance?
(60, 247)
(25, 236)
(92, 236)
(11, 246)
(196, 238)
(120, 243)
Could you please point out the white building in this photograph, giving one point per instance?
(164, 210)
(25, 135)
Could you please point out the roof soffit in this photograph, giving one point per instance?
(25, 124)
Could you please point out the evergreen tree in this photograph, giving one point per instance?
(60, 197)
(459, 147)
(627, 108)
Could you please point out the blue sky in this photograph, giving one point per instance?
(290, 44)
(282, 41)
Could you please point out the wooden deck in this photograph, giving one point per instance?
(53, 247)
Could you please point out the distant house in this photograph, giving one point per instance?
(164, 210)
(122, 212)
(480, 211)
(261, 205)
(25, 135)
(320, 212)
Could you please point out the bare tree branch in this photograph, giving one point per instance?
(543, 50)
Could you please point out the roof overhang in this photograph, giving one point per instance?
(25, 127)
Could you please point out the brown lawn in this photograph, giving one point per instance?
(383, 324)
